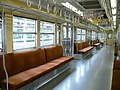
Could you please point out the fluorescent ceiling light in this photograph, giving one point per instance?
(115, 26)
(114, 11)
(71, 7)
(113, 3)
(114, 18)
(114, 23)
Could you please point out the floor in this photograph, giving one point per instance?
(92, 73)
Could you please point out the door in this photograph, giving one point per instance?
(67, 40)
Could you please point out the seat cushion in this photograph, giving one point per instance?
(84, 50)
(97, 44)
(18, 80)
(62, 60)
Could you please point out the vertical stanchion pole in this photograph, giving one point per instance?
(56, 31)
(72, 41)
(3, 45)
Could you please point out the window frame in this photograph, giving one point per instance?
(78, 34)
(23, 33)
(43, 33)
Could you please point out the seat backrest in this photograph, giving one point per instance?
(9, 65)
(85, 44)
(77, 47)
(19, 61)
(94, 41)
(28, 59)
(51, 53)
(41, 56)
(60, 51)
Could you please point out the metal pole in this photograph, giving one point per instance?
(3, 45)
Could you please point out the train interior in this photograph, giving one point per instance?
(59, 45)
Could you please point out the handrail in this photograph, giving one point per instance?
(3, 38)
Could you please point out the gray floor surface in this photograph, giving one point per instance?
(92, 73)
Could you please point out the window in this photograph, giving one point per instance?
(64, 32)
(24, 33)
(88, 34)
(83, 35)
(103, 35)
(99, 35)
(93, 34)
(78, 36)
(69, 33)
(58, 34)
(47, 31)
(109, 35)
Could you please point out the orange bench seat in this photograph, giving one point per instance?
(97, 44)
(26, 66)
(21, 79)
(84, 50)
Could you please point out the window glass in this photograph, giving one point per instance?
(78, 37)
(64, 32)
(69, 32)
(99, 35)
(103, 35)
(83, 35)
(93, 34)
(24, 33)
(23, 25)
(46, 33)
(109, 35)
(58, 34)
(88, 34)
(46, 27)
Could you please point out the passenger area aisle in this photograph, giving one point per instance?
(94, 73)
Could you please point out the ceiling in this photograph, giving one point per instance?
(93, 6)
(90, 4)
(98, 13)
(92, 9)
